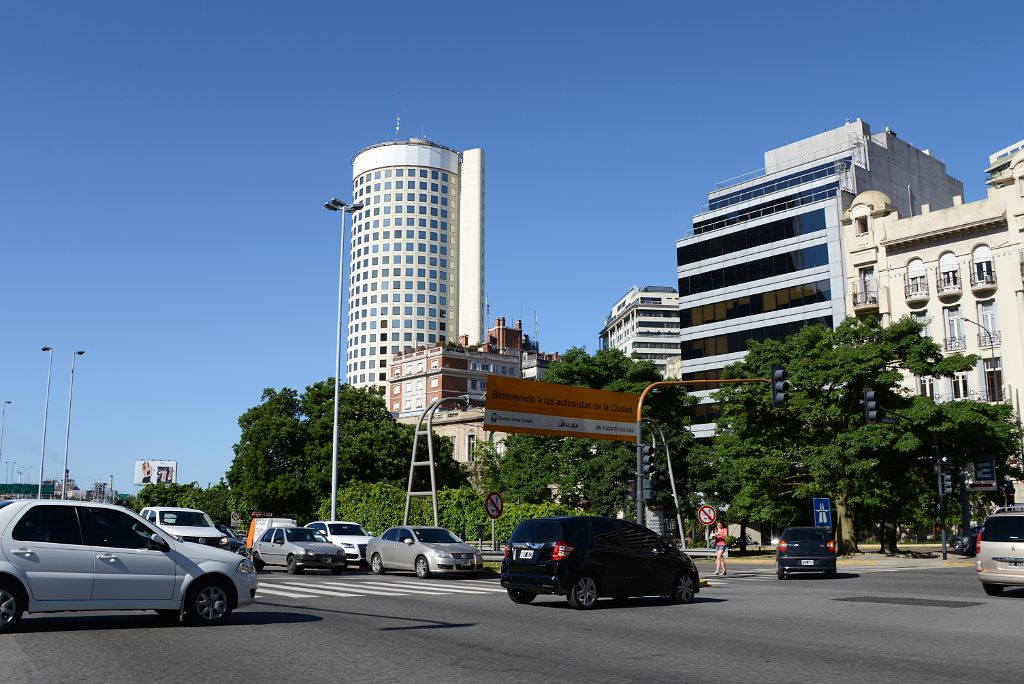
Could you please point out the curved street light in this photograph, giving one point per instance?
(335, 204)
(46, 411)
(67, 434)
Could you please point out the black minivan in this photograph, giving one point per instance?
(583, 558)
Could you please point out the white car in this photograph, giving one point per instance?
(186, 524)
(348, 535)
(81, 555)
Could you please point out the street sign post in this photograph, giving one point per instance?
(822, 512)
(982, 478)
(494, 505)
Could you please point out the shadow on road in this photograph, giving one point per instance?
(610, 604)
(51, 622)
(418, 622)
(805, 576)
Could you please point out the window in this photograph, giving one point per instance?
(983, 271)
(993, 379)
(862, 225)
(949, 272)
(921, 318)
(960, 386)
(926, 387)
(917, 282)
(989, 327)
(470, 445)
(118, 530)
(954, 326)
(49, 524)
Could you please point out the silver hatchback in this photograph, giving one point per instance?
(424, 550)
(1000, 550)
(297, 548)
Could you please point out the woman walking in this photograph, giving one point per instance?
(721, 532)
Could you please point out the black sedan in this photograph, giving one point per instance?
(806, 549)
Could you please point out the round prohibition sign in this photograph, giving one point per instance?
(494, 505)
(707, 515)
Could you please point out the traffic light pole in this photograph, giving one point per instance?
(942, 497)
(639, 428)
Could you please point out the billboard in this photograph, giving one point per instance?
(542, 408)
(155, 472)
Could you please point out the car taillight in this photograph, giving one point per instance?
(782, 547)
(831, 545)
(561, 550)
(506, 551)
(977, 544)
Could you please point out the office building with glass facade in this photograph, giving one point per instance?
(416, 253)
(765, 256)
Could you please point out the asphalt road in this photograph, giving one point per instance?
(868, 624)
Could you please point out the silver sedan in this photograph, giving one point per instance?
(424, 550)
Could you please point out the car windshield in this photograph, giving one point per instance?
(537, 531)
(348, 529)
(185, 518)
(302, 534)
(806, 534)
(436, 535)
(228, 531)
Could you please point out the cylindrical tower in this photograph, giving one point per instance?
(416, 276)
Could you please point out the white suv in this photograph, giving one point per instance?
(186, 524)
(1000, 550)
(348, 535)
(81, 555)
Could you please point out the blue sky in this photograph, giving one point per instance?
(163, 167)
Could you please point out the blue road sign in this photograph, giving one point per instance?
(822, 513)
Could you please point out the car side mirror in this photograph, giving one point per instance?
(278, 541)
(408, 541)
(158, 543)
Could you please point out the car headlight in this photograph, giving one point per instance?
(245, 566)
(442, 554)
(223, 541)
(309, 553)
(348, 546)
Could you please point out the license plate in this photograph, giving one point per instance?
(526, 553)
(1016, 564)
(806, 562)
(468, 563)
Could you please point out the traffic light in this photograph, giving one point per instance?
(947, 483)
(647, 493)
(780, 388)
(871, 410)
(646, 459)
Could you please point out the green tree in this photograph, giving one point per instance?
(171, 494)
(283, 458)
(770, 460)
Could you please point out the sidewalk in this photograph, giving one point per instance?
(916, 556)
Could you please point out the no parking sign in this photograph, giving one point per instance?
(707, 515)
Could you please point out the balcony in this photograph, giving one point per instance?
(865, 299)
(952, 344)
(987, 340)
(983, 279)
(916, 291)
(949, 286)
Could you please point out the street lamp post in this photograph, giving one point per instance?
(335, 204)
(3, 423)
(67, 434)
(46, 411)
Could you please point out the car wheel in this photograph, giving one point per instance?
(521, 596)
(337, 569)
(377, 565)
(258, 562)
(422, 567)
(993, 589)
(207, 603)
(583, 593)
(293, 567)
(683, 589)
(12, 605)
(780, 572)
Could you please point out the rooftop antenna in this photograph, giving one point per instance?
(398, 117)
(536, 330)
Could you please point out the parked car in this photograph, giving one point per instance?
(235, 543)
(82, 555)
(806, 549)
(1000, 550)
(424, 550)
(297, 548)
(584, 558)
(348, 535)
(186, 524)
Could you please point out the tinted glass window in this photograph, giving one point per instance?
(1003, 529)
(639, 538)
(537, 531)
(279, 536)
(806, 534)
(391, 535)
(339, 528)
(301, 534)
(404, 534)
(436, 535)
(267, 536)
(185, 518)
(118, 530)
(53, 524)
(605, 531)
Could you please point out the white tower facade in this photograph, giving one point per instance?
(416, 253)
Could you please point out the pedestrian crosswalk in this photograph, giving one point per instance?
(314, 587)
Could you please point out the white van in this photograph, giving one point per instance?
(186, 524)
